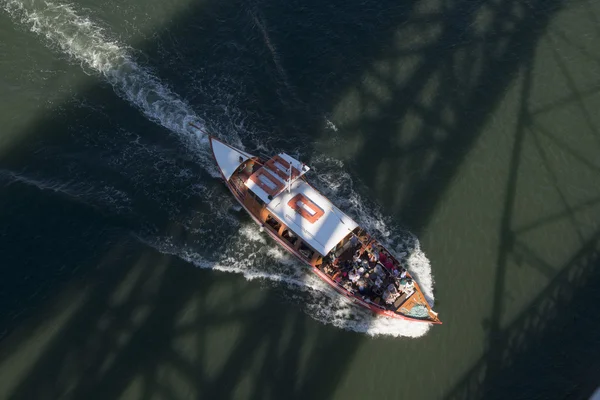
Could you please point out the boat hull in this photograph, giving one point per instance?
(355, 299)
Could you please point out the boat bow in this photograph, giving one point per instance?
(228, 158)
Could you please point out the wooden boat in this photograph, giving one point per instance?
(277, 196)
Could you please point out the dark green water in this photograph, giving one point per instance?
(465, 133)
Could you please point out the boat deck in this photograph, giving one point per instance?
(375, 280)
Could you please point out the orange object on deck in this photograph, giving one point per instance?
(269, 190)
(296, 204)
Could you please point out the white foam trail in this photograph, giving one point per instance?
(103, 196)
(87, 43)
(331, 125)
(262, 260)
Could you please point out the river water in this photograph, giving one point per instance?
(464, 133)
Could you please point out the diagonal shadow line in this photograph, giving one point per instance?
(592, 15)
(563, 199)
(573, 87)
(289, 354)
(523, 252)
(588, 92)
(426, 193)
(506, 235)
(562, 35)
(481, 376)
(102, 295)
(116, 380)
(564, 146)
(556, 216)
(433, 118)
(481, 380)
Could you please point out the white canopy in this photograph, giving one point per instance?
(324, 233)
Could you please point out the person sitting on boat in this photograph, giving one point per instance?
(372, 257)
(347, 265)
(354, 275)
(390, 294)
(389, 264)
(356, 257)
(362, 285)
(337, 276)
(396, 269)
(328, 269)
(378, 281)
(382, 256)
(363, 264)
(406, 284)
(379, 270)
(374, 284)
(360, 272)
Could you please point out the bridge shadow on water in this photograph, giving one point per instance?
(551, 350)
(138, 323)
(149, 330)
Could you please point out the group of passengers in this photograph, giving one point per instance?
(372, 272)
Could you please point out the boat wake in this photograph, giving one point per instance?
(87, 43)
(330, 125)
(262, 260)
